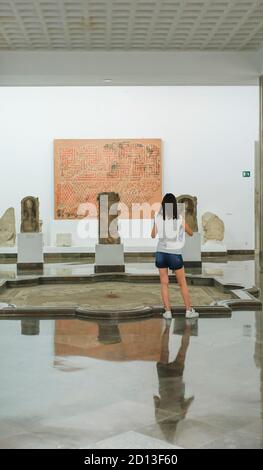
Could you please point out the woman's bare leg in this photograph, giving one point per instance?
(180, 276)
(164, 278)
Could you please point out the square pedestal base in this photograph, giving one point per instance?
(30, 248)
(109, 258)
(30, 258)
(192, 251)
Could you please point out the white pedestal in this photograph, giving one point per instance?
(191, 251)
(30, 251)
(109, 258)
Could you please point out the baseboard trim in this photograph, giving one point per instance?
(101, 269)
(128, 255)
(211, 254)
(241, 252)
(193, 264)
(28, 268)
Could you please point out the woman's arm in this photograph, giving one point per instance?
(154, 231)
(188, 230)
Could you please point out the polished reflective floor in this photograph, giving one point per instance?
(147, 384)
(150, 384)
(234, 269)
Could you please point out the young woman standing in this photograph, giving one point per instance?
(170, 227)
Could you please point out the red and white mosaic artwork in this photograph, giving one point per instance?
(86, 167)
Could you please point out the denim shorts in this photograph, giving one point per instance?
(168, 260)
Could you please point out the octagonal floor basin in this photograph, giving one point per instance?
(110, 295)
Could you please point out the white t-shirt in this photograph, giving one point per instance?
(171, 234)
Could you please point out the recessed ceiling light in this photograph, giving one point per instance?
(107, 80)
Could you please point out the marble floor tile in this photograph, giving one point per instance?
(254, 429)
(235, 440)
(27, 441)
(119, 417)
(188, 434)
(133, 440)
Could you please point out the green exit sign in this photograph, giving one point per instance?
(246, 174)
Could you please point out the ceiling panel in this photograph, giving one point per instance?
(131, 24)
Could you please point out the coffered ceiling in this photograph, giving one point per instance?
(139, 25)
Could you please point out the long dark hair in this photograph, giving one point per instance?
(169, 206)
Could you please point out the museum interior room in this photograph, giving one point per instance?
(106, 107)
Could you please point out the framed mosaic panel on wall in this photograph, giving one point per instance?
(84, 168)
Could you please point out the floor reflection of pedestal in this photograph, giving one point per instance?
(30, 326)
(109, 259)
(30, 258)
(109, 333)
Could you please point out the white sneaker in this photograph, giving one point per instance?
(191, 313)
(167, 314)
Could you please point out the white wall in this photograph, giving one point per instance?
(49, 68)
(208, 138)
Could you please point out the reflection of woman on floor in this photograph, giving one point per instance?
(170, 228)
(171, 386)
